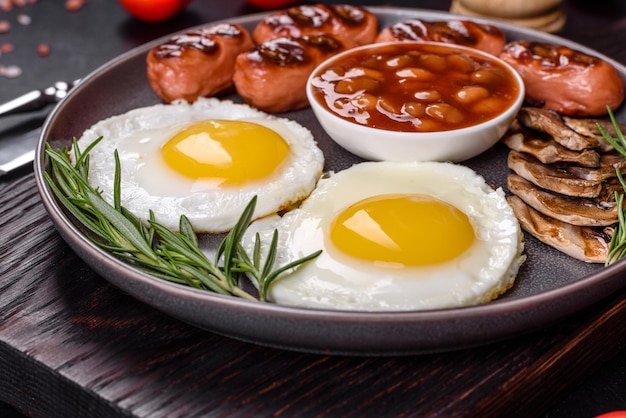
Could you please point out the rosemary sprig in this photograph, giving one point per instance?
(170, 255)
(617, 246)
(263, 272)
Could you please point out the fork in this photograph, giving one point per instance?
(37, 99)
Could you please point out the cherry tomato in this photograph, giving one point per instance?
(271, 4)
(153, 10)
(612, 414)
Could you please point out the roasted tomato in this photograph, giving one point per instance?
(153, 10)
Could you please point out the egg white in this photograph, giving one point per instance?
(335, 281)
(149, 184)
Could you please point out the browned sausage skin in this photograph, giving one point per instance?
(196, 63)
(344, 20)
(272, 76)
(565, 80)
(488, 38)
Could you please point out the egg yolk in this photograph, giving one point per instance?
(227, 151)
(402, 230)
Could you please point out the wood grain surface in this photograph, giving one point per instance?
(73, 345)
(90, 350)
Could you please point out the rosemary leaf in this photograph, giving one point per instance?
(181, 245)
(271, 255)
(617, 246)
(265, 274)
(186, 229)
(210, 284)
(267, 281)
(151, 247)
(82, 156)
(122, 224)
(76, 212)
(148, 233)
(228, 247)
(117, 181)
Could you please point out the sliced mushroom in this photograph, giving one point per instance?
(609, 163)
(589, 127)
(552, 124)
(548, 151)
(575, 211)
(550, 178)
(581, 242)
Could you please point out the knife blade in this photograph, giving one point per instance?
(18, 151)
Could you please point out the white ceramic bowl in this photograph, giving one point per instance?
(378, 144)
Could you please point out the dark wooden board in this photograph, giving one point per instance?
(72, 343)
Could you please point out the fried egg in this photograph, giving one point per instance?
(204, 160)
(396, 237)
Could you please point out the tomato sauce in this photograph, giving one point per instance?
(421, 87)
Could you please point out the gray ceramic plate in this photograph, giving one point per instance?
(550, 286)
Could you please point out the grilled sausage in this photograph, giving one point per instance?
(565, 80)
(488, 38)
(344, 20)
(272, 76)
(196, 63)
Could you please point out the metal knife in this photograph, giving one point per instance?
(18, 151)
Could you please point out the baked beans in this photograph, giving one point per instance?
(415, 87)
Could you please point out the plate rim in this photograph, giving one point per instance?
(602, 282)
